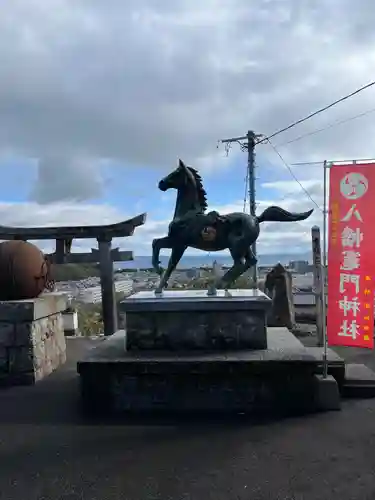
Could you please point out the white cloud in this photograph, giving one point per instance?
(77, 214)
(291, 185)
(56, 214)
(59, 178)
(271, 240)
(147, 84)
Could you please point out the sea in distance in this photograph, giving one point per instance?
(191, 261)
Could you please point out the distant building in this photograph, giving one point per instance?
(303, 282)
(93, 295)
(299, 266)
(193, 273)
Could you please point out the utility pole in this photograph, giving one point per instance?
(251, 171)
(249, 146)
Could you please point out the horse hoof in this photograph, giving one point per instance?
(227, 293)
(158, 291)
(211, 291)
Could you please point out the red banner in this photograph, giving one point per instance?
(351, 255)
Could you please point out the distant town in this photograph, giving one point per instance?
(128, 281)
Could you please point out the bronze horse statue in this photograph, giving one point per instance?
(193, 227)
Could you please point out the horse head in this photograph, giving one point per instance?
(179, 178)
(188, 182)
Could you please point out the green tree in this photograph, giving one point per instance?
(74, 272)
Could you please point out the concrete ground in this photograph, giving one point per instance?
(48, 452)
(307, 335)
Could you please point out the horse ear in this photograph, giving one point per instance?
(181, 163)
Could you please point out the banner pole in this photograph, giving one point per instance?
(324, 274)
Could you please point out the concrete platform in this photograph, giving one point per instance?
(191, 319)
(49, 451)
(359, 381)
(280, 379)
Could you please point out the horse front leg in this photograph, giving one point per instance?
(177, 253)
(157, 245)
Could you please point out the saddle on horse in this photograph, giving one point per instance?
(211, 221)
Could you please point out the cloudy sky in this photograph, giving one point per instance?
(99, 99)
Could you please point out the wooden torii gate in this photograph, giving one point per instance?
(105, 255)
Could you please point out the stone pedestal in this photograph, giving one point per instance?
(191, 320)
(280, 380)
(32, 341)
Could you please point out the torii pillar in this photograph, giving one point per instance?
(107, 282)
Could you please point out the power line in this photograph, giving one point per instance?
(334, 124)
(293, 175)
(311, 115)
(253, 140)
(321, 162)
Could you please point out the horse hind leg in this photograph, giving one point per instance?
(238, 268)
(243, 261)
(250, 261)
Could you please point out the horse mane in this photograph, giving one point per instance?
(202, 195)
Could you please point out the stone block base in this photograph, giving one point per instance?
(273, 381)
(200, 393)
(191, 320)
(32, 341)
(327, 394)
(359, 381)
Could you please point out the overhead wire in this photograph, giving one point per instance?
(298, 122)
(321, 162)
(293, 175)
(331, 125)
(320, 110)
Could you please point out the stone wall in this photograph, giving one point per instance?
(32, 340)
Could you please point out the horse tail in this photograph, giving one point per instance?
(278, 214)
